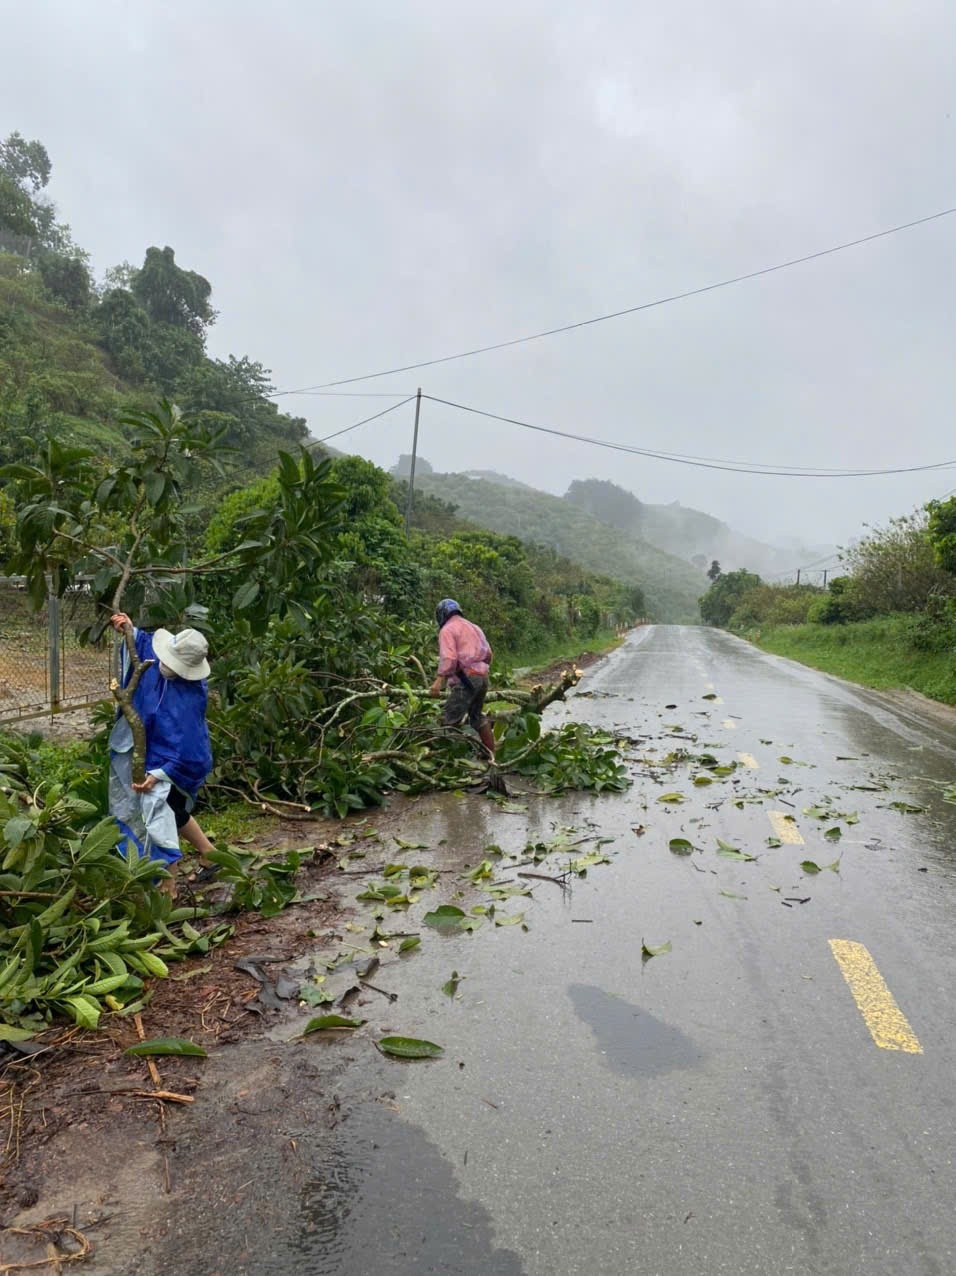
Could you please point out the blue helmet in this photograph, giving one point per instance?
(445, 610)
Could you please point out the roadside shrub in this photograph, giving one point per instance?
(935, 628)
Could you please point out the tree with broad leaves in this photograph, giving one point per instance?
(120, 528)
(26, 163)
(172, 295)
(713, 571)
(724, 596)
(125, 530)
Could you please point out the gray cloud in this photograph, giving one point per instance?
(371, 184)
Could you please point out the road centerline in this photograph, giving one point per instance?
(889, 1027)
(785, 828)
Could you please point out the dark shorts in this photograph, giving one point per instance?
(464, 702)
(180, 805)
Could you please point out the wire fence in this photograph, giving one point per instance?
(43, 668)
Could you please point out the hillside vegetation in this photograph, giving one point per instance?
(888, 622)
(686, 533)
(671, 586)
(77, 355)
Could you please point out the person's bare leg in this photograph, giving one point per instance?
(196, 838)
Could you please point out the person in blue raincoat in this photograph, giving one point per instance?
(171, 701)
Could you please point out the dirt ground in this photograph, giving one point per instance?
(79, 1093)
(82, 1122)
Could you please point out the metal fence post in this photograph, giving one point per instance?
(53, 621)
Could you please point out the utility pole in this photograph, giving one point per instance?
(799, 569)
(824, 577)
(411, 472)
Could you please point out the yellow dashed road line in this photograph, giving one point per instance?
(748, 760)
(888, 1026)
(784, 828)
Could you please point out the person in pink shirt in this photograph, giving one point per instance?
(464, 659)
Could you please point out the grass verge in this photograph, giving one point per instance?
(570, 649)
(876, 653)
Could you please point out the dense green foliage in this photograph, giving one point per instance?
(890, 621)
(81, 928)
(720, 602)
(76, 358)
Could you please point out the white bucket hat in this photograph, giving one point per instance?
(184, 653)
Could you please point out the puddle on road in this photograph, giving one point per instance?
(383, 1199)
(632, 1041)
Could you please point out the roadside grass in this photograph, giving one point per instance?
(543, 657)
(234, 822)
(876, 653)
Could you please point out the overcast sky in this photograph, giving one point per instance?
(368, 184)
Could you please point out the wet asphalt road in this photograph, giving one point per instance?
(723, 1107)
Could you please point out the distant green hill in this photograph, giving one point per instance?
(671, 586)
(688, 533)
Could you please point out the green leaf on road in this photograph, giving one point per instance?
(834, 834)
(508, 919)
(671, 797)
(906, 808)
(703, 779)
(731, 852)
(447, 917)
(166, 1046)
(409, 1048)
(809, 866)
(654, 950)
(681, 846)
(731, 895)
(409, 942)
(409, 846)
(711, 695)
(774, 842)
(329, 1023)
(450, 987)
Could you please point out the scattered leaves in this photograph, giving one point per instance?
(409, 1048)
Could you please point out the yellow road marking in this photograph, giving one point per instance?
(784, 828)
(888, 1026)
(728, 724)
(749, 761)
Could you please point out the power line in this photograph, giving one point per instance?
(365, 420)
(349, 394)
(629, 310)
(700, 462)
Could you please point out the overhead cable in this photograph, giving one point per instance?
(365, 420)
(677, 458)
(629, 310)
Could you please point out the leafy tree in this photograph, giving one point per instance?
(67, 278)
(125, 331)
(838, 605)
(26, 163)
(725, 596)
(713, 571)
(941, 530)
(895, 568)
(171, 295)
(122, 525)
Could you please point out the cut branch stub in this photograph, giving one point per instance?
(124, 698)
